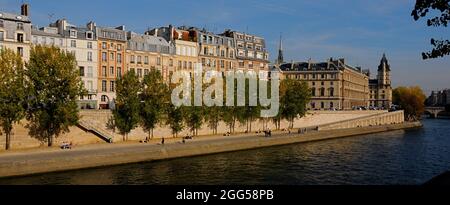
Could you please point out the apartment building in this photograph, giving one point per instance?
(111, 45)
(82, 43)
(250, 52)
(185, 43)
(333, 84)
(149, 52)
(15, 32)
(217, 52)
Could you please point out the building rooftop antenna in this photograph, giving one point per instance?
(50, 17)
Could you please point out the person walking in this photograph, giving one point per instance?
(162, 141)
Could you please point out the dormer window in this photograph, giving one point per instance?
(89, 35)
(73, 34)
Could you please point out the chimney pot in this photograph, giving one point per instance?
(24, 9)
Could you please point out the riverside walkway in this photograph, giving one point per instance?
(19, 163)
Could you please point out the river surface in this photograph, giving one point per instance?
(393, 158)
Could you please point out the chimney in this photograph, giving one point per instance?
(122, 28)
(91, 25)
(24, 9)
(62, 24)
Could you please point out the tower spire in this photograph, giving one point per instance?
(280, 59)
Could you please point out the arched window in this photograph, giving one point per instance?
(313, 92)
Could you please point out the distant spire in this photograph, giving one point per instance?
(280, 59)
(384, 64)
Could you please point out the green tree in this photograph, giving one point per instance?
(155, 98)
(53, 85)
(296, 95)
(12, 92)
(247, 114)
(193, 116)
(127, 104)
(411, 100)
(442, 7)
(213, 116)
(175, 119)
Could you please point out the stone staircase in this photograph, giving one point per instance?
(96, 130)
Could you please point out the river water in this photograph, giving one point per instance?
(392, 158)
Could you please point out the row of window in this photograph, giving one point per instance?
(112, 35)
(210, 40)
(313, 76)
(242, 53)
(249, 46)
(111, 86)
(112, 46)
(217, 52)
(185, 65)
(112, 71)
(89, 35)
(322, 105)
(138, 60)
(186, 51)
(19, 25)
(111, 57)
(57, 42)
(322, 92)
(250, 65)
(249, 38)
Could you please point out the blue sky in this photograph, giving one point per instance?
(359, 30)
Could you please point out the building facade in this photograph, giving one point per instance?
(15, 32)
(381, 88)
(333, 84)
(111, 45)
(149, 52)
(81, 42)
(185, 43)
(251, 52)
(217, 52)
(439, 98)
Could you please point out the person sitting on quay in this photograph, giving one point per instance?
(66, 145)
(162, 141)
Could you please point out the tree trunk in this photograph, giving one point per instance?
(50, 140)
(8, 141)
(152, 133)
(123, 137)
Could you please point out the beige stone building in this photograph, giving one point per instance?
(381, 88)
(81, 42)
(217, 52)
(15, 32)
(250, 53)
(333, 84)
(185, 44)
(148, 52)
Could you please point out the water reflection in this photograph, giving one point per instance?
(399, 157)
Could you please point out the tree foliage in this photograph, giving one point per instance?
(411, 100)
(294, 96)
(53, 87)
(126, 111)
(422, 9)
(175, 119)
(154, 99)
(12, 92)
